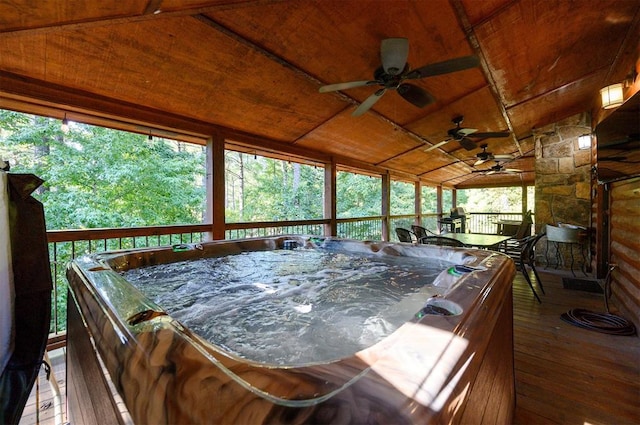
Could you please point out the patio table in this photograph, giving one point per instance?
(479, 240)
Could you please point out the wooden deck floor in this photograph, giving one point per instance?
(42, 406)
(569, 375)
(564, 374)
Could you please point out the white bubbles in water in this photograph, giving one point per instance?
(291, 307)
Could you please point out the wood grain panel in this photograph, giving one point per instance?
(89, 401)
(550, 58)
(625, 246)
(14, 16)
(367, 137)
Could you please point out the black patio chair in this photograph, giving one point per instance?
(404, 235)
(441, 241)
(527, 258)
(421, 232)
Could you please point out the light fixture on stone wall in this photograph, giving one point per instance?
(612, 96)
(584, 141)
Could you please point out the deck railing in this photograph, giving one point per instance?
(66, 245)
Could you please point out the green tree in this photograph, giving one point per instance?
(358, 195)
(266, 189)
(98, 177)
(402, 198)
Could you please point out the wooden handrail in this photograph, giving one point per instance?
(54, 236)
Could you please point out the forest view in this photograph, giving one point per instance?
(97, 177)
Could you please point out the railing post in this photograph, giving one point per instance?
(330, 210)
(418, 202)
(439, 206)
(386, 205)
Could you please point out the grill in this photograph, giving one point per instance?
(457, 220)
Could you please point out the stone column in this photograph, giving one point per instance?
(563, 178)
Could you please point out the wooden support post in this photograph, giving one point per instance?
(331, 228)
(386, 206)
(418, 202)
(439, 207)
(215, 187)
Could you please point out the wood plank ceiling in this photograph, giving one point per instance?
(255, 67)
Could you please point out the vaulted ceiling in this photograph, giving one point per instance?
(252, 69)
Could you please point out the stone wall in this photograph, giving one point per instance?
(563, 175)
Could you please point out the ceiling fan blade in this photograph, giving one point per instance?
(463, 132)
(437, 145)
(480, 161)
(445, 67)
(394, 53)
(415, 95)
(492, 134)
(512, 170)
(368, 103)
(467, 143)
(502, 157)
(343, 86)
(488, 173)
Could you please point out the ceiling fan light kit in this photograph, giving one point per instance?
(394, 53)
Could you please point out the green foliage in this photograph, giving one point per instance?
(498, 200)
(358, 195)
(265, 189)
(98, 177)
(429, 199)
(402, 198)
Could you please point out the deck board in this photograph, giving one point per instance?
(564, 374)
(569, 375)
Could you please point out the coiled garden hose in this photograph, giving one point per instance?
(601, 322)
(608, 323)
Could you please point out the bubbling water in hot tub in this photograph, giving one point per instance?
(292, 307)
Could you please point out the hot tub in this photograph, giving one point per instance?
(451, 361)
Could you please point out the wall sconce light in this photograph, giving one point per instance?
(612, 96)
(584, 141)
(65, 124)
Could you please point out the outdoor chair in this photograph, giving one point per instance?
(527, 258)
(513, 246)
(440, 240)
(421, 232)
(404, 235)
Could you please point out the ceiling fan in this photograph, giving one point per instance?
(498, 168)
(485, 156)
(463, 135)
(395, 70)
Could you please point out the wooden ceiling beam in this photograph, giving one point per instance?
(67, 100)
(458, 7)
(149, 13)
